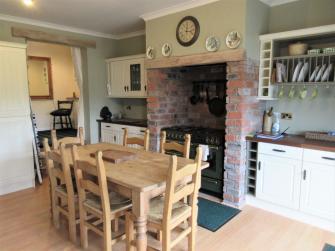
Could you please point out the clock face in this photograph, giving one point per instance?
(188, 31)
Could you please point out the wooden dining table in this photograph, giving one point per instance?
(140, 179)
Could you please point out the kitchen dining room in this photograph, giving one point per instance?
(201, 125)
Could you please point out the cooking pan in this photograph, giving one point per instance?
(195, 98)
(217, 105)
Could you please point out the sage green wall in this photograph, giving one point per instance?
(301, 14)
(318, 114)
(130, 46)
(94, 73)
(217, 19)
(256, 23)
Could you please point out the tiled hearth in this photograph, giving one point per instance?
(169, 90)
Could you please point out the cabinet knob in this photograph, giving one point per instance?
(259, 165)
(304, 174)
(145, 88)
(125, 89)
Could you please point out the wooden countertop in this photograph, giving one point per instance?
(298, 141)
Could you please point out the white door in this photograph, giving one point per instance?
(278, 180)
(318, 190)
(14, 94)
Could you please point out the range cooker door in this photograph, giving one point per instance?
(215, 160)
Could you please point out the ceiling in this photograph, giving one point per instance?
(109, 18)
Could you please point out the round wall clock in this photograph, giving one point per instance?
(187, 31)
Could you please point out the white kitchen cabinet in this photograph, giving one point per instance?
(126, 77)
(278, 180)
(318, 184)
(113, 133)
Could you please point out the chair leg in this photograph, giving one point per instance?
(70, 122)
(83, 229)
(166, 240)
(129, 232)
(72, 223)
(115, 225)
(107, 236)
(55, 211)
(61, 122)
(191, 236)
(54, 122)
(159, 235)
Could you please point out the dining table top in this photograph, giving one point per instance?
(146, 172)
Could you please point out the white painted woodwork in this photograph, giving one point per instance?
(297, 183)
(318, 190)
(118, 71)
(14, 98)
(281, 151)
(113, 133)
(16, 157)
(321, 157)
(265, 87)
(278, 180)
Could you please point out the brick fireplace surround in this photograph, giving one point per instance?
(169, 89)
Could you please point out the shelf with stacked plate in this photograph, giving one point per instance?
(310, 69)
(304, 58)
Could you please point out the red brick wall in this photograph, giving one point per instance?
(244, 116)
(169, 91)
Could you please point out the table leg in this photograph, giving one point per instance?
(140, 211)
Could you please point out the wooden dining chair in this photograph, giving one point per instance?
(63, 195)
(97, 206)
(169, 212)
(67, 140)
(184, 149)
(143, 142)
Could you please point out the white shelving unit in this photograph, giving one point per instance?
(274, 49)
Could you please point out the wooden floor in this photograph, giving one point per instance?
(25, 225)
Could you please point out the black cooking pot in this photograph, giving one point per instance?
(217, 105)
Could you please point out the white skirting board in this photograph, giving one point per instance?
(292, 214)
(16, 184)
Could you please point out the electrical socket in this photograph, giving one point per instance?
(286, 115)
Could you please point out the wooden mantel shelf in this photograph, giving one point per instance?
(197, 59)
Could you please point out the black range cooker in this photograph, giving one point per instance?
(214, 139)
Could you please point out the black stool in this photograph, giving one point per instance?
(63, 112)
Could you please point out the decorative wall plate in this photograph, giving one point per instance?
(212, 43)
(233, 39)
(166, 50)
(150, 52)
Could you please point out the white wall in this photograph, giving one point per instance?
(63, 80)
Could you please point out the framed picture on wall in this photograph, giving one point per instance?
(40, 77)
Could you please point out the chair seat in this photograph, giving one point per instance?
(117, 202)
(61, 112)
(157, 206)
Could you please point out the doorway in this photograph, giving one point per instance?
(52, 80)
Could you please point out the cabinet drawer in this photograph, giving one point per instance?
(321, 157)
(107, 126)
(280, 150)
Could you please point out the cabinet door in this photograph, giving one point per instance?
(117, 79)
(136, 78)
(318, 190)
(278, 180)
(14, 94)
(107, 136)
